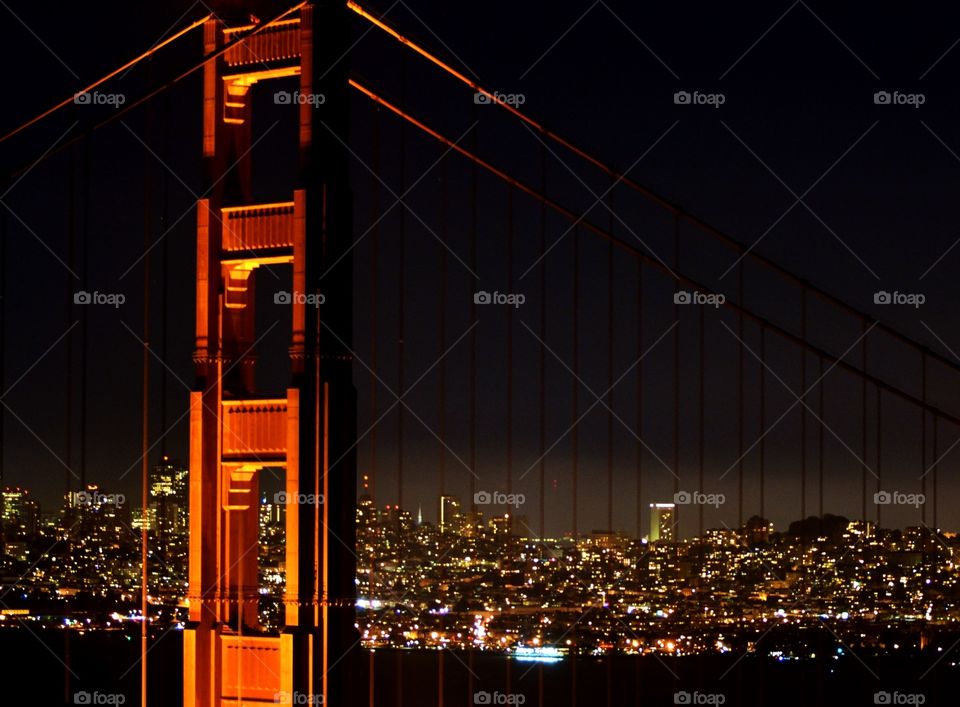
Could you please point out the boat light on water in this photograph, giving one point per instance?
(538, 654)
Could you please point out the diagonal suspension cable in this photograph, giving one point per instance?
(582, 222)
(99, 82)
(119, 113)
(676, 209)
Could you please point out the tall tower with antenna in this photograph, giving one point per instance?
(309, 430)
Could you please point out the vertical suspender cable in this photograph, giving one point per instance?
(145, 431)
(879, 447)
(609, 657)
(473, 332)
(371, 475)
(936, 461)
(701, 443)
(542, 375)
(401, 283)
(543, 346)
(164, 276)
(85, 260)
(509, 324)
(863, 427)
(472, 374)
(639, 399)
(676, 379)
(576, 378)
(923, 436)
(510, 349)
(374, 314)
(740, 334)
(763, 419)
(803, 408)
(610, 369)
(71, 261)
(820, 464)
(85, 230)
(442, 329)
(68, 403)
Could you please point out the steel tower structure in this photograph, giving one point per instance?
(310, 432)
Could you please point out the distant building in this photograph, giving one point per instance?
(138, 518)
(170, 496)
(450, 515)
(662, 520)
(500, 524)
(606, 539)
(20, 512)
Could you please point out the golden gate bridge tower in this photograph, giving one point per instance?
(310, 432)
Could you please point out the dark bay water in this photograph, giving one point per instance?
(34, 670)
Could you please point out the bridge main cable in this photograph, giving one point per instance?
(133, 62)
(143, 99)
(674, 208)
(674, 274)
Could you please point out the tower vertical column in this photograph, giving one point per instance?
(311, 432)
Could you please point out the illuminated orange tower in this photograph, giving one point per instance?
(309, 432)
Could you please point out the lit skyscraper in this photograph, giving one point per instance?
(449, 514)
(661, 521)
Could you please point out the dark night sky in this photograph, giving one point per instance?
(798, 82)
